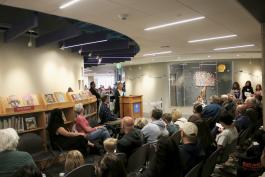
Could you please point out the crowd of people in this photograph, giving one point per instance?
(181, 142)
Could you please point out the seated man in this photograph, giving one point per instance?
(132, 138)
(251, 111)
(226, 140)
(153, 130)
(213, 109)
(190, 152)
(105, 114)
(242, 122)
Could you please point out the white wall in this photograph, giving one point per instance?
(37, 70)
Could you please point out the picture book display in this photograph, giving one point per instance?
(19, 123)
(14, 101)
(30, 100)
(60, 97)
(50, 98)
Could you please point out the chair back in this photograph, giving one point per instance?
(244, 135)
(137, 159)
(122, 157)
(151, 151)
(87, 170)
(210, 163)
(195, 171)
(31, 143)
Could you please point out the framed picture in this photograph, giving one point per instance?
(30, 123)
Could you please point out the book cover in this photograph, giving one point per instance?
(50, 98)
(14, 101)
(60, 97)
(30, 123)
(30, 100)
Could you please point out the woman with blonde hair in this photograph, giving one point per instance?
(177, 118)
(74, 159)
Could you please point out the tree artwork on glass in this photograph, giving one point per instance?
(203, 78)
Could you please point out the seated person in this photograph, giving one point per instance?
(242, 122)
(82, 126)
(196, 116)
(178, 119)
(11, 159)
(73, 160)
(226, 140)
(132, 138)
(28, 171)
(262, 159)
(139, 123)
(213, 109)
(62, 137)
(156, 128)
(171, 127)
(110, 145)
(190, 152)
(105, 114)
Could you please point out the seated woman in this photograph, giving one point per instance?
(62, 137)
(82, 126)
(11, 159)
(105, 114)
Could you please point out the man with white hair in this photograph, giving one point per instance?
(11, 159)
(251, 111)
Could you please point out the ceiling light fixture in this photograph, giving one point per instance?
(99, 60)
(88, 43)
(156, 53)
(30, 42)
(234, 47)
(174, 23)
(80, 51)
(68, 4)
(213, 38)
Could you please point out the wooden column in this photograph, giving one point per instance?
(263, 67)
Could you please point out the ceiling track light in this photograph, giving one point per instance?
(68, 4)
(80, 51)
(174, 23)
(30, 41)
(156, 53)
(234, 47)
(213, 38)
(87, 43)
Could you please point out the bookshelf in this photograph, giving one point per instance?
(30, 113)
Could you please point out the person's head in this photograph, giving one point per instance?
(167, 118)
(110, 145)
(69, 89)
(73, 160)
(127, 124)
(226, 119)
(258, 87)
(140, 122)
(157, 114)
(250, 102)
(189, 133)
(248, 84)
(236, 86)
(120, 86)
(240, 109)
(176, 114)
(92, 84)
(223, 99)
(110, 166)
(55, 118)
(199, 99)
(28, 171)
(262, 158)
(105, 99)
(79, 109)
(214, 99)
(231, 97)
(8, 139)
(197, 108)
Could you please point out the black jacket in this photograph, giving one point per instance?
(117, 102)
(246, 89)
(105, 113)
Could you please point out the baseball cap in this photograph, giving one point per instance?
(190, 129)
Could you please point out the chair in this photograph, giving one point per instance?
(122, 157)
(138, 159)
(87, 170)
(195, 171)
(32, 143)
(151, 151)
(244, 135)
(210, 163)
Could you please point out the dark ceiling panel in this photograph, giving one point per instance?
(119, 52)
(256, 8)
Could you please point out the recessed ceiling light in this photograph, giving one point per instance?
(68, 4)
(234, 47)
(94, 42)
(213, 38)
(174, 23)
(156, 53)
(237, 55)
(208, 56)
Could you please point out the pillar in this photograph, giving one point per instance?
(263, 67)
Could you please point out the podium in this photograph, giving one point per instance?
(131, 106)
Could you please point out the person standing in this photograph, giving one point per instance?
(258, 90)
(94, 92)
(247, 90)
(119, 92)
(236, 90)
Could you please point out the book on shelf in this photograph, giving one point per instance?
(14, 101)
(60, 96)
(83, 95)
(30, 123)
(50, 98)
(76, 96)
(19, 123)
(30, 100)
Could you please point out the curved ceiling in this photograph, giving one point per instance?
(223, 17)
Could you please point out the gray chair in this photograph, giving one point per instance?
(209, 164)
(195, 171)
(87, 170)
(138, 159)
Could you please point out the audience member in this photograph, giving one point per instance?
(73, 160)
(242, 122)
(196, 116)
(104, 112)
(132, 138)
(247, 90)
(156, 128)
(82, 126)
(110, 145)
(11, 159)
(110, 166)
(258, 90)
(251, 111)
(118, 92)
(177, 118)
(190, 152)
(140, 123)
(235, 91)
(62, 137)
(171, 127)
(262, 159)
(213, 109)
(28, 171)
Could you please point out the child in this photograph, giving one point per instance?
(74, 159)
(110, 145)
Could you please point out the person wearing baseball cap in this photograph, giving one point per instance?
(190, 152)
